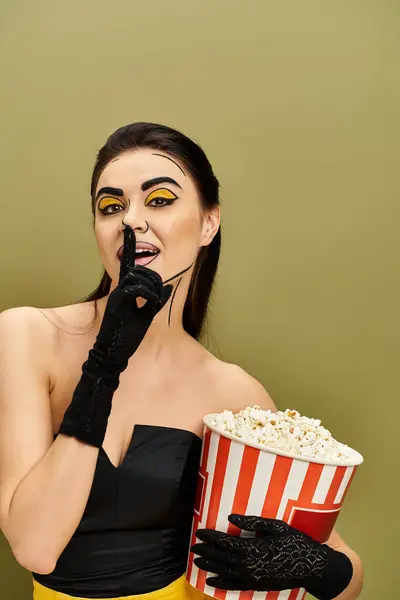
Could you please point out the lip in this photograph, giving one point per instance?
(141, 246)
(145, 261)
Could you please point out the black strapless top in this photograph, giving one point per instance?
(134, 535)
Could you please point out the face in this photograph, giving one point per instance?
(154, 194)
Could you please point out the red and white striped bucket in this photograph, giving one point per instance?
(235, 477)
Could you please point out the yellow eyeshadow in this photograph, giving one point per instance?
(104, 202)
(162, 193)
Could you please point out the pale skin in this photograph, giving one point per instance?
(168, 368)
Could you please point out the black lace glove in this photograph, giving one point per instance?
(123, 327)
(278, 558)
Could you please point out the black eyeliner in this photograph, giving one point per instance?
(172, 299)
(171, 159)
(177, 275)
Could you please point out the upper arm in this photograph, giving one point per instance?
(247, 391)
(335, 541)
(25, 415)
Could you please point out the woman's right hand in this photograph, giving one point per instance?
(123, 327)
(124, 324)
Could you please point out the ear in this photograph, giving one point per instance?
(210, 225)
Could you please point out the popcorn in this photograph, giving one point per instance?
(286, 431)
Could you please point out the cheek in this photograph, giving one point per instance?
(183, 230)
(103, 239)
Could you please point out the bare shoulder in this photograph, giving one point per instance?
(25, 320)
(71, 318)
(240, 389)
(38, 330)
(74, 315)
(25, 327)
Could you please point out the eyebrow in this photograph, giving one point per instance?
(152, 182)
(110, 190)
(145, 186)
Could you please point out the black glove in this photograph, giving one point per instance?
(123, 327)
(278, 558)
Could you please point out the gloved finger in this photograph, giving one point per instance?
(220, 539)
(140, 277)
(129, 252)
(151, 275)
(216, 567)
(141, 291)
(152, 308)
(216, 554)
(225, 583)
(259, 524)
(166, 292)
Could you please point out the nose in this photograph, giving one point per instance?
(135, 220)
(143, 228)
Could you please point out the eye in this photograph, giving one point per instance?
(107, 203)
(162, 195)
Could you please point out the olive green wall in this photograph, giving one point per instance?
(296, 104)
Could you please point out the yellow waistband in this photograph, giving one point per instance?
(180, 589)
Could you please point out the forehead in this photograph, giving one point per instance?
(130, 169)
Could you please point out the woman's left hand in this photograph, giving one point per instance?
(280, 557)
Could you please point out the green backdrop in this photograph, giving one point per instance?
(296, 104)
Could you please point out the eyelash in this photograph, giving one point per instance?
(167, 201)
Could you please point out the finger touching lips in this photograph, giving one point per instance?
(129, 251)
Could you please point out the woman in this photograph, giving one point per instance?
(101, 424)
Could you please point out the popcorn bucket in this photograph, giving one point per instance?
(238, 477)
